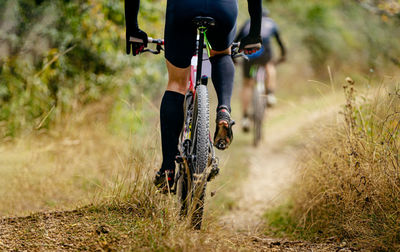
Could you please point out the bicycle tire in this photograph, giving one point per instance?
(183, 189)
(258, 110)
(201, 148)
(202, 129)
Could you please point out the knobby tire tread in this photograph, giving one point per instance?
(202, 153)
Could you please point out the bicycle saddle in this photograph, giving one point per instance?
(203, 21)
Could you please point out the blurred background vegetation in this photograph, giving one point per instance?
(68, 92)
(57, 56)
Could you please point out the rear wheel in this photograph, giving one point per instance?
(258, 106)
(201, 153)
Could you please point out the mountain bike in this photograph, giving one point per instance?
(258, 102)
(197, 161)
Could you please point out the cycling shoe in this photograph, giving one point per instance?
(164, 180)
(271, 100)
(223, 132)
(246, 124)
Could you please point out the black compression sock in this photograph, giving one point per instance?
(222, 74)
(171, 121)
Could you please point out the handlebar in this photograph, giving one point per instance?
(160, 43)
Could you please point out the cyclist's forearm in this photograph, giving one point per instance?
(281, 45)
(131, 13)
(255, 11)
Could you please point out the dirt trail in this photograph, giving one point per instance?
(272, 167)
(271, 171)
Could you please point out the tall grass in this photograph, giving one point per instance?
(349, 183)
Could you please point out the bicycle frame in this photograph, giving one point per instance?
(195, 80)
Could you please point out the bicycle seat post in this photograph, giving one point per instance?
(202, 24)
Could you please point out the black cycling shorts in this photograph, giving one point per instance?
(180, 33)
(260, 61)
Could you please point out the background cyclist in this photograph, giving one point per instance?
(262, 57)
(180, 42)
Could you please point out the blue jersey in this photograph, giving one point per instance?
(268, 30)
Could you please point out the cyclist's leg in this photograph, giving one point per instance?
(222, 74)
(270, 80)
(247, 89)
(171, 113)
(221, 37)
(270, 83)
(171, 121)
(270, 75)
(180, 41)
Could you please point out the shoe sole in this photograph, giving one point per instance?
(222, 141)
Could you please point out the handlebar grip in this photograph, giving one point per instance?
(149, 40)
(138, 40)
(251, 46)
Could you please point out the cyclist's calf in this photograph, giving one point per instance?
(222, 74)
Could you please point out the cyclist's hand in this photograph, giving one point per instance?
(250, 44)
(135, 47)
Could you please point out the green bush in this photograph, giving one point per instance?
(56, 56)
(338, 33)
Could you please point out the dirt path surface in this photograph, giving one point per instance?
(104, 230)
(272, 169)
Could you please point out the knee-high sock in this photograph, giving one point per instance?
(222, 74)
(171, 121)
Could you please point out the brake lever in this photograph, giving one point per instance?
(150, 51)
(158, 50)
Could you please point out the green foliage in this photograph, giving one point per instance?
(337, 33)
(56, 56)
(279, 221)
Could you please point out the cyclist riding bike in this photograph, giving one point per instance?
(180, 44)
(262, 57)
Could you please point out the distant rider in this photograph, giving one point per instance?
(180, 43)
(262, 57)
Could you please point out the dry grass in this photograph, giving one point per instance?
(79, 163)
(63, 168)
(349, 187)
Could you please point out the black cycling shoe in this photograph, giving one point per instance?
(162, 178)
(223, 136)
